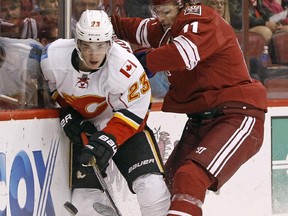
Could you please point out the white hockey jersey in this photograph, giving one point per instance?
(115, 98)
(19, 70)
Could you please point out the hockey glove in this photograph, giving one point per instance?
(102, 146)
(141, 56)
(74, 124)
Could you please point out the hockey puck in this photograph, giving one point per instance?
(71, 208)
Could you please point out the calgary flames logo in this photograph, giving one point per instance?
(88, 106)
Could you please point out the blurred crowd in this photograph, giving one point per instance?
(38, 21)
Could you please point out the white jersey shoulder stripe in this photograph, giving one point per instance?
(231, 146)
(188, 51)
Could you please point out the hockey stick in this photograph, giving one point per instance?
(99, 207)
(68, 205)
(104, 209)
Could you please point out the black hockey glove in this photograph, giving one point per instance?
(141, 56)
(74, 124)
(102, 146)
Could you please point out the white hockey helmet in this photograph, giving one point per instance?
(94, 26)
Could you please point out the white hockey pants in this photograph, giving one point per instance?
(152, 195)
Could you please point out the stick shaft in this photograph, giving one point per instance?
(104, 185)
(100, 177)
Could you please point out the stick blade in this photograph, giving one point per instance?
(70, 208)
(104, 209)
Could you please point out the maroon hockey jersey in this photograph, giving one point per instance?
(202, 57)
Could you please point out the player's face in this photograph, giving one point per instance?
(93, 53)
(166, 14)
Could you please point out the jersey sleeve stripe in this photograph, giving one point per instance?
(141, 33)
(130, 118)
(188, 51)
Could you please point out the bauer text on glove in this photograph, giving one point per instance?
(102, 146)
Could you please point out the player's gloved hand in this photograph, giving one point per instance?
(74, 124)
(141, 56)
(102, 146)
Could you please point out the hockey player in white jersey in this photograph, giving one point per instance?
(97, 80)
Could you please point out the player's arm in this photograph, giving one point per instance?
(130, 112)
(168, 57)
(194, 43)
(125, 28)
(145, 32)
(131, 109)
(72, 122)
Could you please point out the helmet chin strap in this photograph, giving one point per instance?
(80, 56)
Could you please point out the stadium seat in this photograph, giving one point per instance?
(255, 49)
(256, 43)
(280, 48)
(277, 87)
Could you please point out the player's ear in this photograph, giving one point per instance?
(78, 44)
(44, 41)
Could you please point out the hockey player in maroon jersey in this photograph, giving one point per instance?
(210, 82)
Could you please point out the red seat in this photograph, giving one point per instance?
(255, 49)
(280, 44)
(256, 43)
(277, 87)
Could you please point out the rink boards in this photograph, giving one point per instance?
(34, 161)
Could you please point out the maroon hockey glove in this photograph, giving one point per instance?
(102, 146)
(141, 56)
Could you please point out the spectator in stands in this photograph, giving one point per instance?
(78, 6)
(276, 8)
(48, 33)
(18, 12)
(258, 18)
(118, 7)
(48, 4)
(49, 7)
(47, 13)
(285, 4)
(140, 8)
(221, 6)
